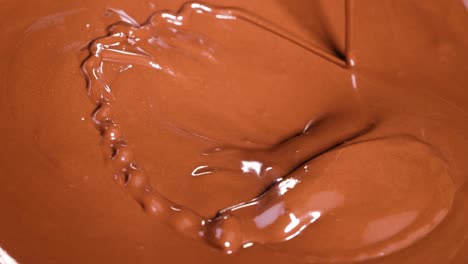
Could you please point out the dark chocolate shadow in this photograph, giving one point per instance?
(311, 14)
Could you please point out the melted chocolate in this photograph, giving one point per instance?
(235, 131)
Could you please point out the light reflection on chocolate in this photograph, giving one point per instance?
(5, 258)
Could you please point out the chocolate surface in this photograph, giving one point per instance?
(237, 127)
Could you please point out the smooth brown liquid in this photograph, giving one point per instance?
(210, 108)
